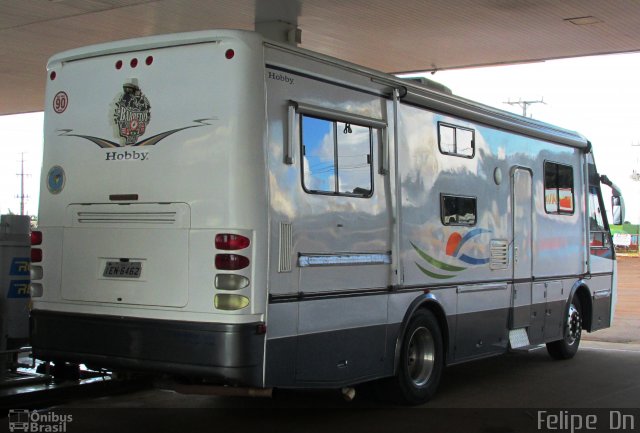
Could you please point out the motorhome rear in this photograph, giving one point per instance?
(221, 207)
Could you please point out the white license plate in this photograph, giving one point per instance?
(122, 270)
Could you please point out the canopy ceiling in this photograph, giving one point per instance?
(392, 36)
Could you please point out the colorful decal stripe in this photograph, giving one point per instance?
(465, 238)
(438, 264)
(433, 274)
(473, 260)
(452, 249)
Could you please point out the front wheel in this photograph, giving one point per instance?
(421, 360)
(568, 346)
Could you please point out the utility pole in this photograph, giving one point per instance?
(635, 175)
(22, 175)
(524, 104)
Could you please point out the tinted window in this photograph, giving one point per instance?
(456, 210)
(558, 188)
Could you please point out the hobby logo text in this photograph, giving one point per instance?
(127, 156)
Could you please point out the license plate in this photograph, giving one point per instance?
(122, 270)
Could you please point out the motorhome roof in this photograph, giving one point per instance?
(434, 96)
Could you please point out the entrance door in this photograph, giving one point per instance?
(521, 253)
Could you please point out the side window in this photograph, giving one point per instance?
(558, 188)
(457, 210)
(336, 157)
(456, 140)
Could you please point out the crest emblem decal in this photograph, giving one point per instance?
(131, 117)
(132, 113)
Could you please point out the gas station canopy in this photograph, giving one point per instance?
(392, 36)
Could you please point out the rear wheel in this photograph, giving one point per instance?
(568, 346)
(421, 360)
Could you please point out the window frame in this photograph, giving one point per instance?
(334, 120)
(457, 196)
(455, 136)
(557, 188)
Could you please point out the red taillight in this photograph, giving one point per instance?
(36, 255)
(36, 237)
(119, 64)
(231, 262)
(229, 54)
(149, 60)
(133, 62)
(227, 241)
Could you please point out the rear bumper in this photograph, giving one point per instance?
(228, 353)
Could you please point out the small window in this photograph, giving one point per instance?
(456, 140)
(458, 211)
(336, 157)
(558, 188)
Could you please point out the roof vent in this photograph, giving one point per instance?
(429, 84)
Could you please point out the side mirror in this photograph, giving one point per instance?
(617, 209)
(617, 202)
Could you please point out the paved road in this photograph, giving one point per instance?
(505, 394)
(602, 375)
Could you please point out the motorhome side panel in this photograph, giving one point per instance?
(457, 225)
(330, 223)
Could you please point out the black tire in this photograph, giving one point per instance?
(421, 361)
(568, 346)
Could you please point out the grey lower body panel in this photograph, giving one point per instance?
(226, 353)
(601, 312)
(332, 359)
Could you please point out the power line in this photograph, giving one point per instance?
(525, 104)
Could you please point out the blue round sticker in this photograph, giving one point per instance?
(55, 179)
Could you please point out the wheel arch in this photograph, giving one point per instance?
(581, 290)
(428, 302)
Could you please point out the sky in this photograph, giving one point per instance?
(596, 96)
(19, 134)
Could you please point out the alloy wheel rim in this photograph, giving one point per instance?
(420, 356)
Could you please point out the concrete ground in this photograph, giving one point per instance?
(518, 392)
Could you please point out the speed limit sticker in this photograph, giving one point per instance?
(60, 102)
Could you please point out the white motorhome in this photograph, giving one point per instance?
(218, 206)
